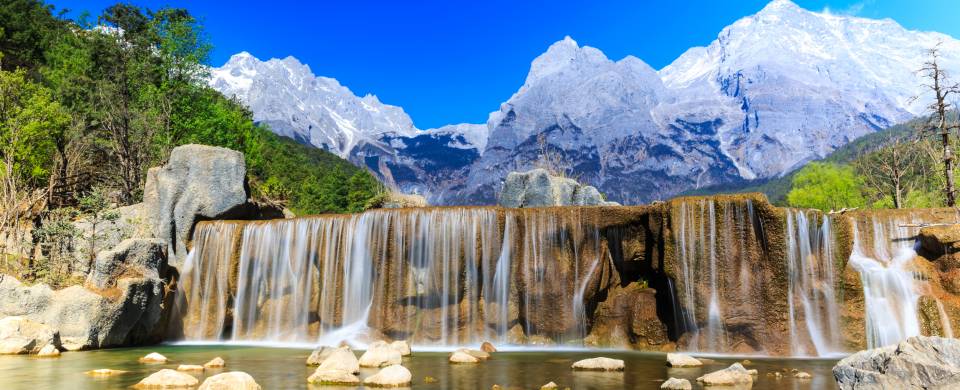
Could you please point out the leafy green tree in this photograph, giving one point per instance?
(362, 186)
(826, 187)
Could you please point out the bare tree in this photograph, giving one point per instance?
(887, 169)
(938, 123)
(550, 159)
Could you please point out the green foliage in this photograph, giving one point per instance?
(826, 187)
(127, 91)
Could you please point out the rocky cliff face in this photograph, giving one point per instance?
(783, 82)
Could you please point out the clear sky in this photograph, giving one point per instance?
(455, 61)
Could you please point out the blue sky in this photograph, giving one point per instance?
(456, 61)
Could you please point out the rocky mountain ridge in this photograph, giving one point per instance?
(784, 82)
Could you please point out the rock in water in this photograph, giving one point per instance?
(167, 379)
(189, 367)
(549, 386)
(676, 384)
(319, 355)
(234, 380)
(380, 356)
(475, 353)
(599, 364)
(681, 360)
(802, 375)
(392, 376)
(49, 351)
(144, 257)
(342, 359)
(216, 362)
(538, 188)
(153, 357)
(197, 183)
(730, 376)
(401, 346)
(461, 357)
(916, 363)
(85, 319)
(487, 347)
(105, 372)
(19, 335)
(333, 377)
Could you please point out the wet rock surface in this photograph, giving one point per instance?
(918, 362)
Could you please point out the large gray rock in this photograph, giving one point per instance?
(146, 257)
(197, 183)
(916, 363)
(19, 335)
(538, 188)
(127, 314)
(131, 221)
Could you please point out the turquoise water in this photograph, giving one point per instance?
(283, 368)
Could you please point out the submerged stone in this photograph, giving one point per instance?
(462, 357)
(682, 360)
(392, 376)
(167, 379)
(216, 362)
(105, 372)
(333, 377)
(599, 364)
(234, 380)
(730, 376)
(189, 367)
(676, 384)
(153, 357)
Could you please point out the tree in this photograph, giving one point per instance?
(29, 121)
(888, 171)
(362, 187)
(939, 125)
(826, 187)
(96, 208)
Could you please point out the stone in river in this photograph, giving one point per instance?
(681, 360)
(49, 351)
(599, 364)
(380, 356)
(216, 362)
(153, 357)
(342, 359)
(676, 384)
(392, 376)
(167, 379)
(189, 367)
(333, 377)
(487, 347)
(730, 376)
(234, 380)
(461, 357)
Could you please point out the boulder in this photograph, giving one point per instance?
(319, 355)
(475, 353)
(19, 335)
(49, 351)
(153, 357)
(216, 362)
(135, 257)
(129, 315)
(333, 377)
(599, 364)
(189, 367)
(735, 375)
(197, 183)
(461, 357)
(676, 384)
(549, 386)
(401, 346)
(167, 379)
(538, 188)
(681, 360)
(342, 359)
(802, 375)
(917, 362)
(487, 347)
(380, 356)
(940, 240)
(391, 376)
(234, 380)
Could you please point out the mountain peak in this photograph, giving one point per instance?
(564, 54)
(780, 6)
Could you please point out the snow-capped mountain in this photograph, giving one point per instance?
(287, 96)
(773, 91)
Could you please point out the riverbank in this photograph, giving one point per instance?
(284, 368)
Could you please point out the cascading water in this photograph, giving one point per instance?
(447, 276)
(882, 252)
(811, 293)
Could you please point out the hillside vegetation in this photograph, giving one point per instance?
(93, 103)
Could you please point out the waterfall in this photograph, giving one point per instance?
(882, 252)
(811, 282)
(444, 276)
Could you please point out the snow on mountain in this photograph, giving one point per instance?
(772, 92)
